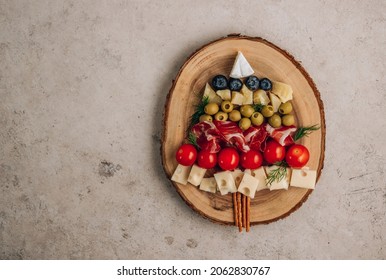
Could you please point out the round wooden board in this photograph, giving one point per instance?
(269, 61)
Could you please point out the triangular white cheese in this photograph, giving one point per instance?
(241, 67)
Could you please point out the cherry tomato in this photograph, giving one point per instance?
(297, 156)
(274, 152)
(251, 159)
(206, 159)
(228, 158)
(186, 154)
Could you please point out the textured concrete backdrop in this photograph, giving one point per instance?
(83, 85)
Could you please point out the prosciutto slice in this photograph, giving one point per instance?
(208, 136)
(232, 134)
(283, 135)
(255, 137)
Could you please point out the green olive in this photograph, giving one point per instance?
(246, 110)
(226, 106)
(244, 123)
(285, 108)
(257, 118)
(288, 120)
(267, 111)
(275, 120)
(221, 116)
(211, 108)
(206, 118)
(235, 116)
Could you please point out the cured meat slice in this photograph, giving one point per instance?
(207, 136)
(232, 134)
(283, 135)
(255, 137)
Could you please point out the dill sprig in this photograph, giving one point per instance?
(277, 174)
(199, 111)
(305, 131)
(258, 107)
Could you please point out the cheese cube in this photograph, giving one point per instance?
(248, 185)
(237, 98)
(181, 174)
(259, 174)
(211, 95)
(260, 97)
(303, 178)
(225, 94)
(248, 95)
(282, 184)
(196, 175)
(237, 175)
(225, 182)
(208, 185)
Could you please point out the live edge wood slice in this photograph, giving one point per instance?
(269, 61)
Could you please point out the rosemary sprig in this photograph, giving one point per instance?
(305, 131)
(277, 174)
(258, 107)
(199, 111)
(192, 139)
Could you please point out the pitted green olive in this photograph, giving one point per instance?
(288, 120)
(226, 106)
(257, 118)
(221, 116)
(246, 110)
(235, 116)
(206, 118)
(267, 111)
(244, 123)
(211, 109)
(275, 120)
(285, 108)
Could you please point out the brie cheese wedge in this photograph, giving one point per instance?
(241, 67)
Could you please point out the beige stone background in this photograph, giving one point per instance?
(82, 91)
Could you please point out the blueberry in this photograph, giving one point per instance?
(235, 84)
(265, 84)
(219, 82)
(252, 82)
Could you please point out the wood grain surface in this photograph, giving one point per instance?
(269, 61)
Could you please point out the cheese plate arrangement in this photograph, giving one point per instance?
(244, 132)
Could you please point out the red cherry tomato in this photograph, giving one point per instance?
(228, 159)
(251, 159)
(274, 152)
(186, 154)
(206, 159)
(297, 156)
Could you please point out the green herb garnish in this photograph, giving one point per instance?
(192, 139)
(305, 131)
(199, 111)
(258, 107)
(277, 174)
